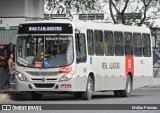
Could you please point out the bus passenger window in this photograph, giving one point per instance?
(108, 43)
(128, 43)
(146, 45)
(80, 48)
(137, 44)
(90, 42)
(99, 49)
(118, 41)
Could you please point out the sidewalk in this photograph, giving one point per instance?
(156, 83)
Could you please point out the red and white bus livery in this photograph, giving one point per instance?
(64, 56)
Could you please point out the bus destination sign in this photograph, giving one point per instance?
(45, 28)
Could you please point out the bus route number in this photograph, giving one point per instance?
(66, 69)
(38, 64)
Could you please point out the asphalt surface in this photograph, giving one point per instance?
(146, 95)
(138, 96)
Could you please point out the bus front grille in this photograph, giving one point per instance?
(32, 73)
(44, 85)
(40, 79)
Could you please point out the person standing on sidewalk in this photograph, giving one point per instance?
(9, 69)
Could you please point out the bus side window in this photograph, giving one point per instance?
(146, 45)
(108, 43)
(98, 36)
(137, 44)
(128, 43)
(118, 41)
(81, 48)
(90, 42)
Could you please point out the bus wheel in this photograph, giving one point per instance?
(36, 96)
(117, 93)
(89, 90)
(77, 95)
(127, 91)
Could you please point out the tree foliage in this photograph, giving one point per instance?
(148, 8)
(70, 7)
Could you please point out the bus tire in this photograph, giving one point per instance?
(77, 95)
(36, 96)
(87, 95)
(117, 93)
(127, 91)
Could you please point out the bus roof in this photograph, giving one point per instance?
(111, 27)
(96, 25)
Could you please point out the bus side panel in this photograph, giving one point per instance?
(96, 66)
(81, 75)
(110, 74)
(142, 81)
(143, 72)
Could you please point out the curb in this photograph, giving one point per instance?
(152, 86)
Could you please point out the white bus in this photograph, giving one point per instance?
(63, 56)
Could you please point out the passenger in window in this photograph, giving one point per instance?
(54, 51)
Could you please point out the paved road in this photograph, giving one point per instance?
(139, 96)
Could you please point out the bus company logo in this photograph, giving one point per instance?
(129, 64)
(6, 107)
(66, 69)
(43, 79)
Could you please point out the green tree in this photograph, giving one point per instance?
(148, 8)
(70, 7)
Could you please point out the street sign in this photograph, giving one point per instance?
(49, 16)
(93, 16)
(129, 16)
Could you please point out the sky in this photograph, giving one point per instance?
(157, 22)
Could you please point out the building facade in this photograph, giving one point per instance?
(12, 13)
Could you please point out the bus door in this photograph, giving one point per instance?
(81, 58)
(147, 55)
(138, 59)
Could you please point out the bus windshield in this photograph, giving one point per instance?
(44, 51)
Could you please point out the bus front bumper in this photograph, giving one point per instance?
(46, 86)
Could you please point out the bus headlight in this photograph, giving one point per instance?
(20, 76)
(67, 76)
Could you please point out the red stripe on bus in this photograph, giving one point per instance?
(129, 65)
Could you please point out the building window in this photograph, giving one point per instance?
(118, 41)
(137, 44)
(108, 43)
(146, 45)
(98, 36)
(128, 43)
(0, 21)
